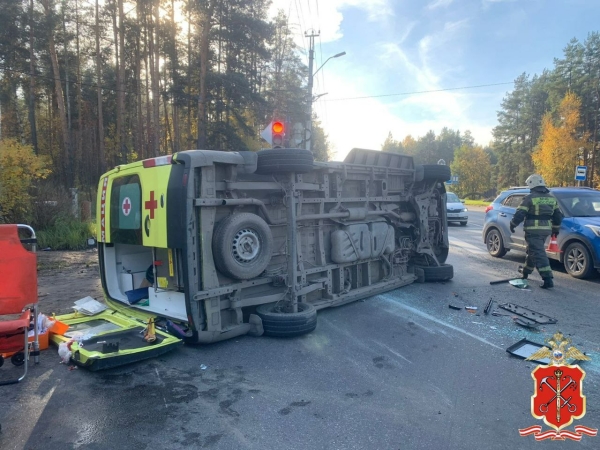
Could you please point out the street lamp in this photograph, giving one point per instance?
(311, 75)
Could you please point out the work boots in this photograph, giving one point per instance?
(524, 273)
(548, 283)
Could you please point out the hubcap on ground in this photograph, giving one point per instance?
(246, 245)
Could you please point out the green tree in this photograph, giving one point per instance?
(472, 165)
(391, 145)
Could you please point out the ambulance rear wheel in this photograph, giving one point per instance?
(278, 160)
(242, 246)
(1, 360)
(277, 322)
(438, 273)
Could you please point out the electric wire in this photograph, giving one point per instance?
(475, 86)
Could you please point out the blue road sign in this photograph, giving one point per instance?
(581, 173)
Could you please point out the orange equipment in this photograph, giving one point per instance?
(18, 297)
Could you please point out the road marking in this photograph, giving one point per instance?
(393, 351)
(466, 246)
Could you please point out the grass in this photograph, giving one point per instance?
(477, 202)
(66, 234)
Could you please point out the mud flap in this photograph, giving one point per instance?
(111, 339)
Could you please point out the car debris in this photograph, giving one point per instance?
(471, 309)
(529, 314)
(525, 348)
(488, 307)
(525, 323)
(457, 308)
(519, 283)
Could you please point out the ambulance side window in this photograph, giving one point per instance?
(126, 211)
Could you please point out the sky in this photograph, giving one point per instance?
(408, 46)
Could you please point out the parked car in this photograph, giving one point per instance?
(579, 236)
(455, 209)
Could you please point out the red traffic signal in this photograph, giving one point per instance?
(277, 134)
(278, 127)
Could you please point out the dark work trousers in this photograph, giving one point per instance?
(536, 255)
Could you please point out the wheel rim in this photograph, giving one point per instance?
(576, 261)
(246, 246)
(493, 242)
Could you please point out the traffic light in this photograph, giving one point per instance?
(277, 133)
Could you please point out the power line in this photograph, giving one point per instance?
(419, 92)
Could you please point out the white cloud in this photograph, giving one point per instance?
(327, 16)
(439, 3)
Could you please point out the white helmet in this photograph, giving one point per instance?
(535, 180)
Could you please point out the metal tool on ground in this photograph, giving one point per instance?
(504, 280)
(538, 318)
(457, 308)
(471, 309)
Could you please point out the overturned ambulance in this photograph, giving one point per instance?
(229, 243)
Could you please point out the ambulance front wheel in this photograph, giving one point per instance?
(242, 246)
(278, 322)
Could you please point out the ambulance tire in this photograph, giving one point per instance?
(1, 360)
(281, 324)
(432, 172)
(438, 273)
(278, 160)
(242, 246)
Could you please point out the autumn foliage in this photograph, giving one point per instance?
(19, 169)
(561, 142)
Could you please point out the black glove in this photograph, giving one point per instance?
(555, 233)
(512, 227)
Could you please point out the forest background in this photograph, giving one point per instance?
(86, 85)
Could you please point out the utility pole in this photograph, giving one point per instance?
(311, 57)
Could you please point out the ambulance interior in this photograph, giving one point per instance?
(126, 267)
(131, 266)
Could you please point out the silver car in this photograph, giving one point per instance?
(456, 210)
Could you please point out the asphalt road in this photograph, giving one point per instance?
(396, 371)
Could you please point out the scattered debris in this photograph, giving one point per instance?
(455, 294)
(471, 309)
(203, 367)
(504, 280)
(527, 313)
(519, 283)
(457, 308)
(525, 323)
(89, 306)
(525, 348)
(488, 307)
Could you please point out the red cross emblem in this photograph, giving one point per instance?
(151, 204)
(126, 206)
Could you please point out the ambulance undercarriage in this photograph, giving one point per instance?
(258, 242)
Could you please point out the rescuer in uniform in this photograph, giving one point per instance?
(542, 218)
